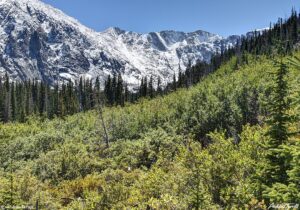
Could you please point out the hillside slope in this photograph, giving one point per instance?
(156, 158)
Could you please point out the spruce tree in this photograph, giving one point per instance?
(276, 167)
(145, 87)
(180, 79)
(34, 96)
(13, 101)
(42, 98)
(113, 89)
(126, 93)
(150, 88)
(63, 101)
(81, 93)
(28, 99)
(108, 90)
(119, 91)
(7, 102)
(55, 101)
(97, 90)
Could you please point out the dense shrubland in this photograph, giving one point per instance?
(200, 148)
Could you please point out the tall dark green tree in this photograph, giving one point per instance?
(145, 87)
(7, 100)
(13, 101)
(108, 90)
(276, 167)
(113, 89)
(126, 93)
(97, 90)
(151, 88)
(42, 98)
(120, 91)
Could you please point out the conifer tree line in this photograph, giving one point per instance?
(19, 100)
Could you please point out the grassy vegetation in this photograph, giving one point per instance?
(197, 148)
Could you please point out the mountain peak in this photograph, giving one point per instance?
(115, 30)
(28, 10)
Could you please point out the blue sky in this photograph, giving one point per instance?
(224, 17)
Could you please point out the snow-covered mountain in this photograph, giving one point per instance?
(39, 41)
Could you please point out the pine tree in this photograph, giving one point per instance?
(81, 95)
(7, 102)
(91, 94)
(108, 90)
(20, 94)
(151, 88)
(120, 91)
(97, 90)
(55, 101)
(180, 79)
(42, 98)
(275, 170)
(47, 100)
(126, 94)
(62, 101)
(113, 89)
(145, 87)
(71, 98)
(88, 93)
(28, 99)
(35, 96)
(13, 101)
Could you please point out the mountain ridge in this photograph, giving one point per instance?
(40, 41)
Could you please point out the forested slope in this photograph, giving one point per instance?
(197, 148)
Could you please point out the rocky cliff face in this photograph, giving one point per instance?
(39, 41)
